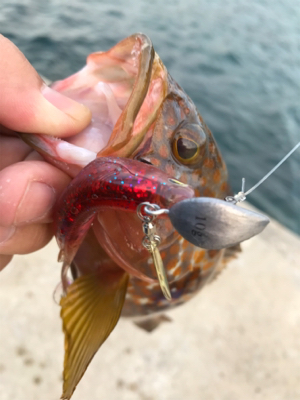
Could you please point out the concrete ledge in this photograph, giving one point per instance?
(238, 340)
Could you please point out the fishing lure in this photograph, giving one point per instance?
(110, 182)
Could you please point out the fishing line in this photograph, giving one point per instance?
(241, 196)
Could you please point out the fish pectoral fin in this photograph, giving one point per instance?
(89, 311)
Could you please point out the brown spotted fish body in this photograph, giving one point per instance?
(139, 113)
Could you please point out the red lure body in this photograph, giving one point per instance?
(115, 183)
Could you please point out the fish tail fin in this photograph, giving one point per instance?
(89, 312)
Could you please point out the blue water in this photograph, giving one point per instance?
(239, 60)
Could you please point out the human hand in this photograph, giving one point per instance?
(29, 186)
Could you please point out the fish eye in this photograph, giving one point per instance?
(188, 144)
(186, 148)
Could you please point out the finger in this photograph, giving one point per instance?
(25, 239)
(28, 191)
(28, 105)
(12, 150)
(6, 131)
(4, 260)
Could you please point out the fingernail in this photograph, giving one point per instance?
(36, 203)
(71, 107)
(6, 233)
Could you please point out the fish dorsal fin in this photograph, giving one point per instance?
(89, 311)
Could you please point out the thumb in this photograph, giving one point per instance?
(28, 105)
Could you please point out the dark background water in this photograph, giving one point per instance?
(239, 60)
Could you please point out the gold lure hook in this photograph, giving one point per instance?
(151, 242)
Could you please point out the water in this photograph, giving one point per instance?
(238, 60)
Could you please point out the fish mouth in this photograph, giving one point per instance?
(124, 88)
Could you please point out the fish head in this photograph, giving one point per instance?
(140, 112)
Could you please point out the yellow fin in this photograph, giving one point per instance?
(89, 311)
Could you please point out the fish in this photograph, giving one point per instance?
(146, 142)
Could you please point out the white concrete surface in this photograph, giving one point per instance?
(237, 340)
